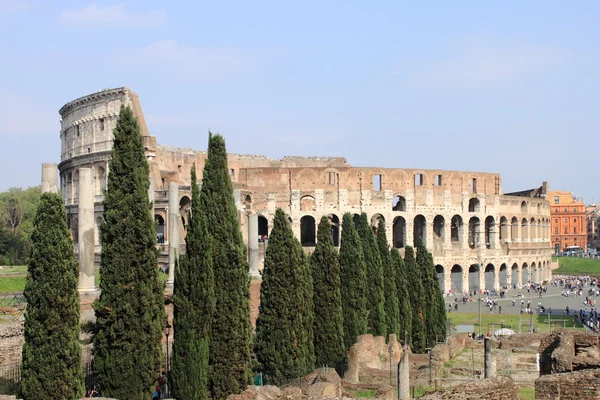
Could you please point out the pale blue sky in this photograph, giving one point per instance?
(505, 86)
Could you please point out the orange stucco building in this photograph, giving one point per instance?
(568, 225)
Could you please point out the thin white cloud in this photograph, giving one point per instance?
(174, 61)
(115, 15)
(10, 7)
(478, 66)
(22, 115)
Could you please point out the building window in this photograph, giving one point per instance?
(496, 185)
(556, 210)
(566, 209)
(77, 128)
(473, 185)
(575, 229)
(556, 221)
(574, 209)
(101, 121)
(331, 178)
(566, 230)
(556, 231)
(232, 172)
(556, 200)
(418, 179)
(566, 221)
(377, 183)
(89, 150)
(575, 220)
(438, 180)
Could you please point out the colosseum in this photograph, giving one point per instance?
(479, 236)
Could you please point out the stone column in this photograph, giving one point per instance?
(173, 230)
(404, 377)
(253, 245)
(86, 230)
(49, 178)
(497, 277)
(489, 369)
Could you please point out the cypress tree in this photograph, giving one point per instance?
(51, 353)
(375, 301)
(306, 311)
(329, 322)
(282, 345)
(231, 329)
(352, 280)
(417, 301)
(391, 304)
(194, 303)
(405, 308)
(130, 311)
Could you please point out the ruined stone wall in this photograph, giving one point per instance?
(568, 350)
(569, 386)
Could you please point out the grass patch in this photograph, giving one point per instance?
(577, 266)
(365, 394)
(510, 321)
(526, 393)
(12, 284)
(18, 269)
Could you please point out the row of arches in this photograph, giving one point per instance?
(460, 279)
(70, 183)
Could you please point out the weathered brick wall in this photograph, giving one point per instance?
(569, 386)
(489, 389)
(568, 350)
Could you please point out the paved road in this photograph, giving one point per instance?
(552, 298)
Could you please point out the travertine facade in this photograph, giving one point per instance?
(464, 217)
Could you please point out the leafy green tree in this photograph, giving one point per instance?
(404, 309)
(329, 321)
(130, 311)
(17, 212)
(282, 344)
(352, 279)
(306, 311)
(230, 357)
(417, 301)
(194, 305)
(391, 304)
(374, 268)
(51, 353)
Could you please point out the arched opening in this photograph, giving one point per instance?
(160, 228)
(420, 228)
(533, 227)
(456, 279)
(456, 229)
(335, 229)
(307, 204)
(474, 273)
(490, 227)
(514, 270)
(504, 228)
(76, 184)
(503, 276)
(474, 205)
(525, 274)
(524, 229)
(98, 235)
(307, 231)
(489, 275)
(399, 204)
(399, 232)
(523, 207)
(474, 232)
(263, 228)
(248, 203)
(375, 220)
(514, 229)
(100, 178)
(75, 229)
(184, 206)
(439, 270)
(356, 219)
(438, 228)
(534, 273)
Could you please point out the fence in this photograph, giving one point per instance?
(14, 300)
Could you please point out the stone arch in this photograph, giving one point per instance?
(524, 229)
(456, 279)
(184, 207)
(307, 204)
(263, 227)
(503, 276)
(398, 203)
(456, 229)
(420, 228)
(100, 180)
(76, 184)
(248, 203)
(474, 278)
(539, 208)
(533, 229)
(489, 276)
(399, 232)
(514, 274)
(356, 220)
(439, 270)
(490, 232)
(504, 229)
(525, 273)
(160, 228)
(474, 205)
(307, 231)
(534, 272)
(439, 228)
(523, 206)
(474, 232)
(375, 220)
(334, 220)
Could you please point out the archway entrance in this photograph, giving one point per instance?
(456, 279)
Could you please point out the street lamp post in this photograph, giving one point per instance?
(167, 332)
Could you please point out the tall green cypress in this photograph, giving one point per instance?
(392, 317)
(352, 280)
(194, 304)
(282, 347)
(51, 353)
(435, 321)
(417, 301)
(375, 301)
(329, 321)
(405, 308)
(306, 311)
(231, 329)
(130, 312)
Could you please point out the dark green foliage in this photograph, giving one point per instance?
(283, 347)
(329, 322)
(374, 269)
(51, 353)
(404, 307)
(390, 291)
(194, 304)
(17, 212)
(352, 279)
(231, 329)
(130, 311)
(435, 322)
(417, 301)
(307, 311)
